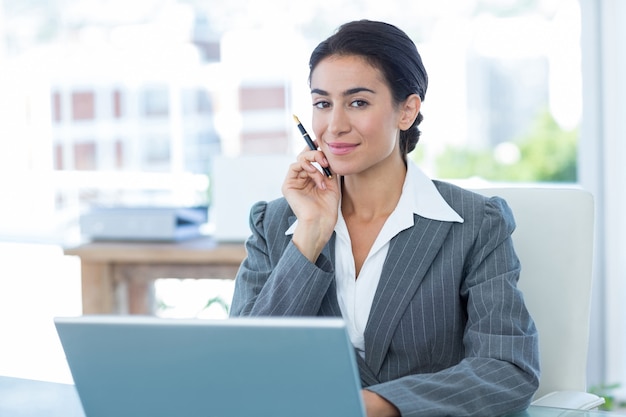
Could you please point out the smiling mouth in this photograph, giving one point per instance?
(341, 148)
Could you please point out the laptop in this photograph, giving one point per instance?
(138, 366)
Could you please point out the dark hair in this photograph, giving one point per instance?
(391, 51)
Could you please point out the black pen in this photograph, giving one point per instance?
(309, 142)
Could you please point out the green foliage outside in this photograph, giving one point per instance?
(606, 391)
(547, 153)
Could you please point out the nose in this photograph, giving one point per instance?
(338, 123)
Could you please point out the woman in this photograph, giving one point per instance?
(424, 273)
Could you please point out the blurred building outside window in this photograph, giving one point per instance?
(104, 103)
(165, 87)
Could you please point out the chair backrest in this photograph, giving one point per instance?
(554, 241)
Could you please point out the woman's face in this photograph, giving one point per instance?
(355, 121)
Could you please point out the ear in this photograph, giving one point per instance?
(409, 110)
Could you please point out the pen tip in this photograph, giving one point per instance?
(295, 118)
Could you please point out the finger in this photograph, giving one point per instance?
(310, 168)
(308, 159)
(301, 170)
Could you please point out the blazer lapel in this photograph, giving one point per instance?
(365, 373)
(411, 254)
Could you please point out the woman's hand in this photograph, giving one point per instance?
(377, 406)
(314, 198)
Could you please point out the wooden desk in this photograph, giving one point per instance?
(118, 277)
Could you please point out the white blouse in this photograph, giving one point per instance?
(355, 296)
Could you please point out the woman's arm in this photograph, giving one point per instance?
(288, 275)
(276, 279)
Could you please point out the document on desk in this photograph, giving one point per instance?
(143, 223)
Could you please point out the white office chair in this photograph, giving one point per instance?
(554, 241)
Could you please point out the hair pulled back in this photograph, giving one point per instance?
(392, 52)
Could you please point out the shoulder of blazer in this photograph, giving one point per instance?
(463, 201)
(275, 215)
(280, 211)
(473, 207)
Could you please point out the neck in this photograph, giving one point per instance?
(373, 194)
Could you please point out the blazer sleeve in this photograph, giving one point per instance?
(499, 372)
(275, 279)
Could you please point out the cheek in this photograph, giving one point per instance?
(318, 126)
(381, 127)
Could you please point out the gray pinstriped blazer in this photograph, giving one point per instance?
(448, 332)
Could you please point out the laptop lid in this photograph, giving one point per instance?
(147, 366)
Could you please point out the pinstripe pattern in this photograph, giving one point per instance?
(448, 332)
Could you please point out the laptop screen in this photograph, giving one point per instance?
(147, 366)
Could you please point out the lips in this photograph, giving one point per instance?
(338, 148)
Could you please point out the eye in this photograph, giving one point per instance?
(321, 104)
(359, 103)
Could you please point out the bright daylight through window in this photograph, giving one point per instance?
(117, 102)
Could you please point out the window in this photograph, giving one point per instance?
(57, 114)
(117, 104)
(262, 97)
(119, 153)
(85, 156)
(83, 105)
(156, 153)
(504, 98)
(58, 157)
(155, 102)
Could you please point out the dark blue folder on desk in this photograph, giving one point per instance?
(127, 366)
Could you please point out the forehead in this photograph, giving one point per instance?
(345, 71)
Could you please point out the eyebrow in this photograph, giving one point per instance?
(348, 92)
